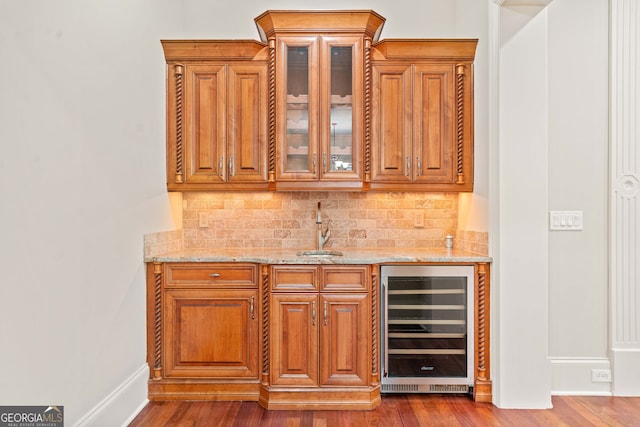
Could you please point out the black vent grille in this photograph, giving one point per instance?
(425, 388)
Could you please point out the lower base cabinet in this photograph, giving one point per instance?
(203, 331)
(320, 339)
(214, 333)
(287, 336)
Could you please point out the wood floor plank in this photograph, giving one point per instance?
(249, 414)
(411, 410)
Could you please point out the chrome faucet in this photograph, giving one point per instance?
(323, 236)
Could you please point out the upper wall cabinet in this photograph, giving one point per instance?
(320, 89)
(320, 104)
(217, 108)
(422, 121)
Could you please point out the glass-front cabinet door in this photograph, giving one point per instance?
(298, 132)
(320, 133)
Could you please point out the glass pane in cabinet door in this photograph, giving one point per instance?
(340, 136)
(297, 109)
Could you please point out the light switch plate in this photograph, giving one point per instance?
(203, 219)
(565, 220)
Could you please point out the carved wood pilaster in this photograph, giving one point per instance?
(265, 324)
(460, 72)
(157, 326)
(367, 110)
(179, 70)
(272, 110)
(375, 344)
(482, 389)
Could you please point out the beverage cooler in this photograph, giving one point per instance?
(427, 328)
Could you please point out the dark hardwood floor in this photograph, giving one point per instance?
(400, 410)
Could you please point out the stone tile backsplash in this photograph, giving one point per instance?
(288, 220)
(163, 242)
(472, 241)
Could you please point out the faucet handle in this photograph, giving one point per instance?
(326, 231)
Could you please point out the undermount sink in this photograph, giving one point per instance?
(320, 252)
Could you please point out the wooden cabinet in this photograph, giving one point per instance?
(344, 339)
(320, 104)
(319, 132)
(320, 338)
(287, 336)
(205, 339)
(294, 339)
(216, 115)
(422, 121)
(210, 333)
(319, 95)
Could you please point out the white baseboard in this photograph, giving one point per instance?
(626, 374)
(121, 406)
(572, 376)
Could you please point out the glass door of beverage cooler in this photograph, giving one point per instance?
(427, 332)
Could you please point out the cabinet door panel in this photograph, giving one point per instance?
(344, 341)
(211, 333)
(206, 123)
(294, 339)
(297, 108)
(247, 123)
(341, 117)
(391, 154)
(433, 120)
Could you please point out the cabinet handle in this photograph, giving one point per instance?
(324, 165)
(313, 313)
(231, 172)
(315, 161)
(418, 165)
(408, 167)
(221, 165)
(253, 314)
(214, 275)
(325, 312)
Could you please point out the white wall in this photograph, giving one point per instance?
(551, 287)
(522, 377)
(578, 151)
(81, 181)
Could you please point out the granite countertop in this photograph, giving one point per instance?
(350, 256)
